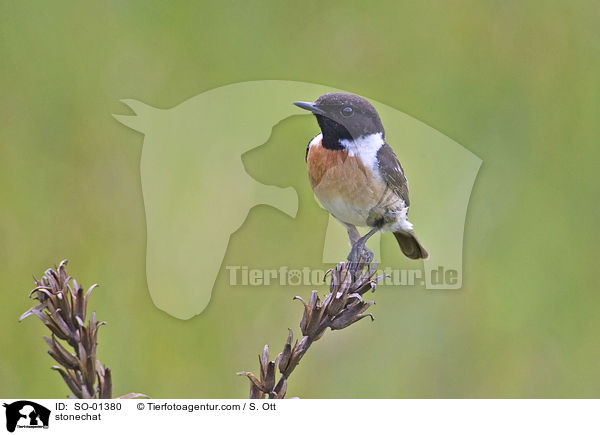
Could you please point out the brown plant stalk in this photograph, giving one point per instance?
(62, 309)
(341, 307)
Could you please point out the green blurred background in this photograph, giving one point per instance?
(517, 83)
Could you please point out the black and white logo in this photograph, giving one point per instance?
(26, 414)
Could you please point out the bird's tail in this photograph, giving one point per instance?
(410, 245)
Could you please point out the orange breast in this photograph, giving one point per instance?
(343, 185)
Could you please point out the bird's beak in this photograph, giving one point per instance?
(312, 107)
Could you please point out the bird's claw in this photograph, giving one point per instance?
(359, 254)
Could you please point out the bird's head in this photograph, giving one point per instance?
(343, 117)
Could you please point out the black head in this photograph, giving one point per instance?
(343, 116)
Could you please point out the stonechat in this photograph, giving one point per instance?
(356, 175)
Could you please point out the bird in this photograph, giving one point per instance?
(355, 174)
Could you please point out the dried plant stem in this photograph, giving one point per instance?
(63, 310)
(341, 307)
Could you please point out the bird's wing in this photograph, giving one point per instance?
(307, 148)
(392, 172)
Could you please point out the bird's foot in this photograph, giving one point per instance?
(359, 255)
(367, 255)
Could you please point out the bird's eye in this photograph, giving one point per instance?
(347, 111)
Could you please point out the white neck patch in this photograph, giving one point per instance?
(365, 148)
(316, 140)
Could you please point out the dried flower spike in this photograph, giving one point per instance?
(62, 308)
(342, 307)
